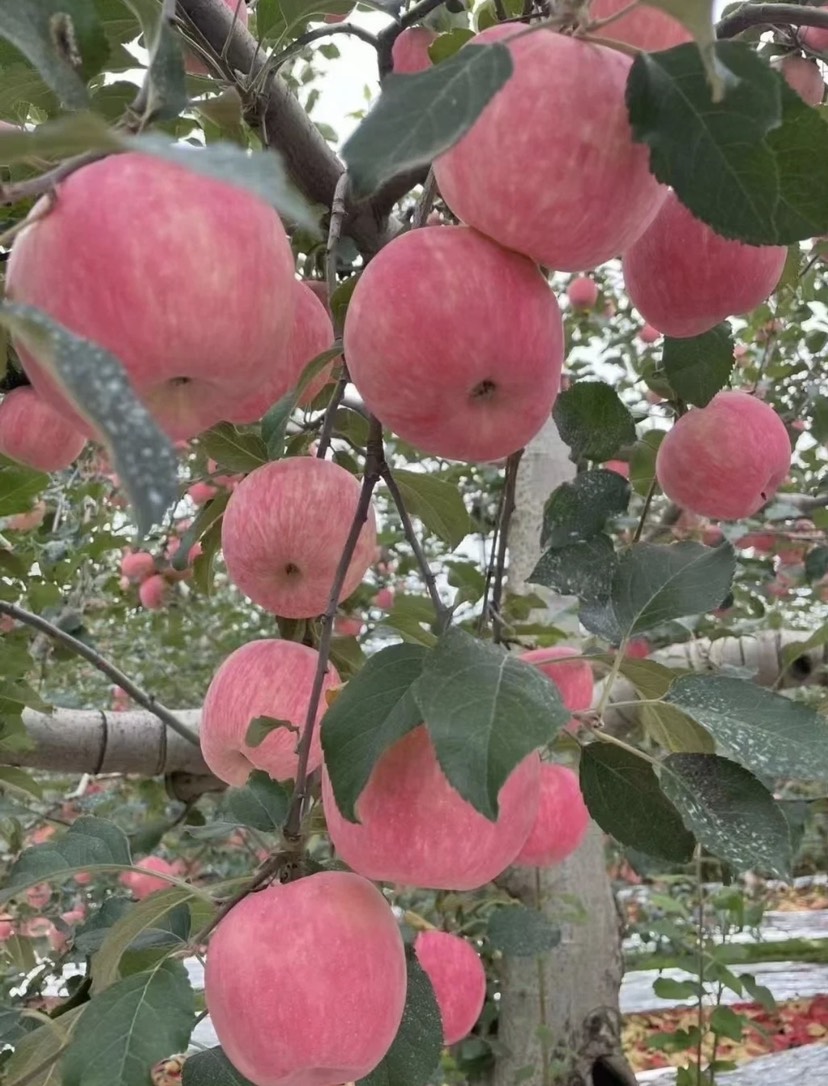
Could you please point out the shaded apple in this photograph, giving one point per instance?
(561, 822)
(582, 292)
(573, 678)
(142, 883)
(409, 53)
(153, 592)
(137, 565)
(803, 75)
(815, 37)
(458, 978)
(645, 28)
(647, 334)
(620, 467)
(34, 434)
(193, 63)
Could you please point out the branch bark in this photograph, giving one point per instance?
(750, 15)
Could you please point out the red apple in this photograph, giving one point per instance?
(409, 52)
(570, 194)
(458, 978)
(415, 829)
(384, 599)
(684, 278)
(262, 678)
(142, 885)
(638, 648)
(6, 927)
(201, 492)
(325, 958)
(620, 467)
(7, 624)
(582, 292)
(137, 565)
(34, 434)
(562, 819)
(725, 460)
(284, 530)
(647, 334)
(645, 28)
(206, 347)
(121, 701)
(193, 64)
(348, 626)
(573, 678)
(803, 75)
(815, 37)
(39, 896)
(153, 592)
(761, 542)
(455, 343)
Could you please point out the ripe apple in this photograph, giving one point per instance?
(121, 700)
(458, 978)
(189, 360)
(803, 75)
(638, 648)
(684, 278)
(620, 467)
(200, 493)
(153, 592)
(645, 28)
(34, 434)
(582, 292)
(725, 460)
(562, 819)
(193, 64)
(348, 626)
(262, 678)
(284, 530)
(415, 829)
(570, 194)
(409, 53)
(325, 958)
(142, 885)
(761, 542)
(137, 565)
(815, 37)
(39, 896)
(384, 599)
(647, 334)
(455, 343)
(6, 927)
(573, 678)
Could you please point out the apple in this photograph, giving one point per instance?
(193, 64)
(326, 960)
(815, 37)
(137, 565)
(638, 648)
(142, 885)
(645, 28)
(83, 878)
(561, 822)
(262, 678)
(455, 344)
(582, 292)
(39, 896)
(74, 916)
(24, 522)
(684, 278)
(121, 700)
(620, 467)
(573, 678)
(570, 192)
(348, 626)
(725, 460)
(34, 434)
(6, 927)
(201, 492)
(647, 334)
(415, 829)
(153, 592)
(409, 53)
(7, 624)
(458, 978)
(189, 360)
(803, 75)
(384, 599)
(284, 531)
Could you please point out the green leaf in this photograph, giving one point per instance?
(520, 932)
(414, 1055)
(260, 728)
(727, 1023)
(211, 1068)
(204, 519)
(642, 461)
(13, 1026)
(274, 423)
(262, 804)
(485, 711)
(624, 797)
(17, 780)
(816, 566)
(60, 137)
(412, 618)
(768, 734)
(130, 1026)
(19, 485)
(374, 711)
(698, 17)
(674, 730)
(232, 449)
(89, 937)
(667, 988)
(446, 45)
(89, 844)
(40, 1046)
(437, 503)
(417, 117)
(166, 88)
(579, 510)
(593, 421)
(729, 811)
(583, 569)
(96, 383)
(743, 165)
(699, 367)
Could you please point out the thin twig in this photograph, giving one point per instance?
(110, 670)
(648, 501)
(338, 210)
(330, 413)
(506, 512)
(749, 15)
(276, 61)
(425, 202)
(37, 186)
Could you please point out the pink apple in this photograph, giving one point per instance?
(725, 460)
(193, 64)
(6, 927)
(562, 819)
(325, 958)
(409, 52)
(815, 37)
(645, 28)
(761, 542)
(570, 194)
(384, 599)
(573, 678)
(620, 467)
(415, 829)
(24, 522)
(455, 344)
(262, 678)
(284, 530)
(121, 701)
(582, 292)
(319, 288)
(39, 896)
(803, 75)
(142, 885)
(201, 492)
(82, 878)
(137, 565)
(458, 978)
(647, 334)
(638, 648)
(684, 278)
(34, 434)
(6, 624)
(712, 536)
(189, 361)
(74, 916)
(153, 592)
(348, 626)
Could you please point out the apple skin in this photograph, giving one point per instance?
(572, 194)
(189, 361)
(725, 460)
(201, 492)
(34, 434)
(142, 885)
(384, 599)
(409, 53)
(284, 530)
(137, 565)
(620, 467)
(573, 678)
(325, 959)
(455, 344)
(562, 820)
(582, 292)
(646, 28)
(6, 927)
(684, 278)
(815, 37)
(153, 592)
(647, 334)
(458, 978)
(415, 829)
(262, 678)
(803, 75)
(193, 64)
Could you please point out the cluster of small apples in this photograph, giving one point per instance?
(30, 923)
(154, 578)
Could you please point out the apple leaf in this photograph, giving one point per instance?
(624, 797)
(583, 569)
(204, 519)
(274, 423)
(485, 711)
(437, 503)
(39, 1049)
(211, 1068)
(233, 449)
(699, 367)
(262, 804)
(642, 461)
(593, 421)
(166, 86)
(697, 17)
(59, 137)
(260, 728)
(579, 510)
(417, 117)
(18, 486)
(520, 932)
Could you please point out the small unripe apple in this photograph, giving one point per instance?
(459, 373)
(284, 531)
(326, 960)
(193, 64)
(409, 53)
(644, 28)
(153, 592)
(725, 460)
(582, 292)
(803, 75)
(562, 819)
(267, 678)
(34, 434)
(815, 37)
(142, 885)
(137, 565)
(458, 978)
(415, 829)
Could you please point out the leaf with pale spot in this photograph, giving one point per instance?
(579, 510)
(593, 421)
(699, 367)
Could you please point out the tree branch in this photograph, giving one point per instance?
(750, 15)
(321, 32)
(506, 511)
